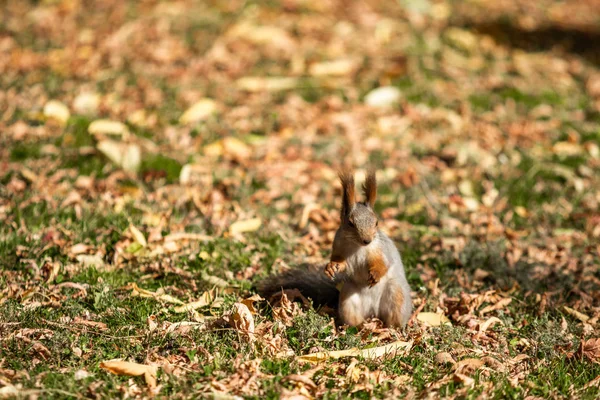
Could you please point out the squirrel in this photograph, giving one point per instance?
(364, 261)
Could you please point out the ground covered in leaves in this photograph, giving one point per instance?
(159, 158)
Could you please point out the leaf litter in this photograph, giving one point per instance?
(191, 149)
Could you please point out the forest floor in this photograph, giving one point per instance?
(157, 159)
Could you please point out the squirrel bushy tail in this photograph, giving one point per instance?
(310, 280)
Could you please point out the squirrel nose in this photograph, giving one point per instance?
(366, 241)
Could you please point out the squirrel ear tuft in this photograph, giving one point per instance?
(370, 188)
(348, 195)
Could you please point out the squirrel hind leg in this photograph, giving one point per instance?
(393, 309)
(351, 309)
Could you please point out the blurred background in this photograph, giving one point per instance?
(189, 144)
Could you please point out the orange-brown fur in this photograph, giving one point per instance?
(370, 188)
(395, 318)
(348, 194)
(377, 266)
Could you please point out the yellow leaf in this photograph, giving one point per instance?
(574, 313)
(138, 235)
(199, 111)
(108, 127)
(249, 302)
(158, 295)
(205, 299)
(248, 225)
(433, 319)
(120, 367)
(57, 111)
(389, 350)
(272, 84)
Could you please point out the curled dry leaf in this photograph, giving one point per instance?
(242, 320)
(489, 323)
(249, 302)
(574, 313)
(248, 225)
(468, 366)
(590, 349)
(389, 350)
(498, 306)
(205, 299)
(120, 367)
(158, 295)
(433, 319)
(444, 358)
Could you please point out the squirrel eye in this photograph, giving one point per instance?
(376, 223)
(351, 224)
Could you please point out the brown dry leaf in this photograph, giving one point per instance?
(214, 280)
(249, 302)
(468, 366)
(389, 350)
(120, 367)
(444, 358)
(433, 319)
(489, 323)
(498, 306)
(242, 320)
(590, 349)
(248, 225)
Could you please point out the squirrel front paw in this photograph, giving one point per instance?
(375, 275)
(333, 267)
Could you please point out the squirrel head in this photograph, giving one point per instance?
(359, 222)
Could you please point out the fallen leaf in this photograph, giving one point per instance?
(498, 306)
(108, 127)
(468, 366)
(57, 111)
(263, 84)
(205, 299)
(389, 350)
(433, 319)
(385, 96)
(124, 155)
(120, 367)
(248, 225)
(242, 320)
(574, 313)
(199, 111)
(590, 349)
(86, 103)
(488, 323)
(138, 236)
(444, 358)
(341, 67)
(249, 302)
(158, 295)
